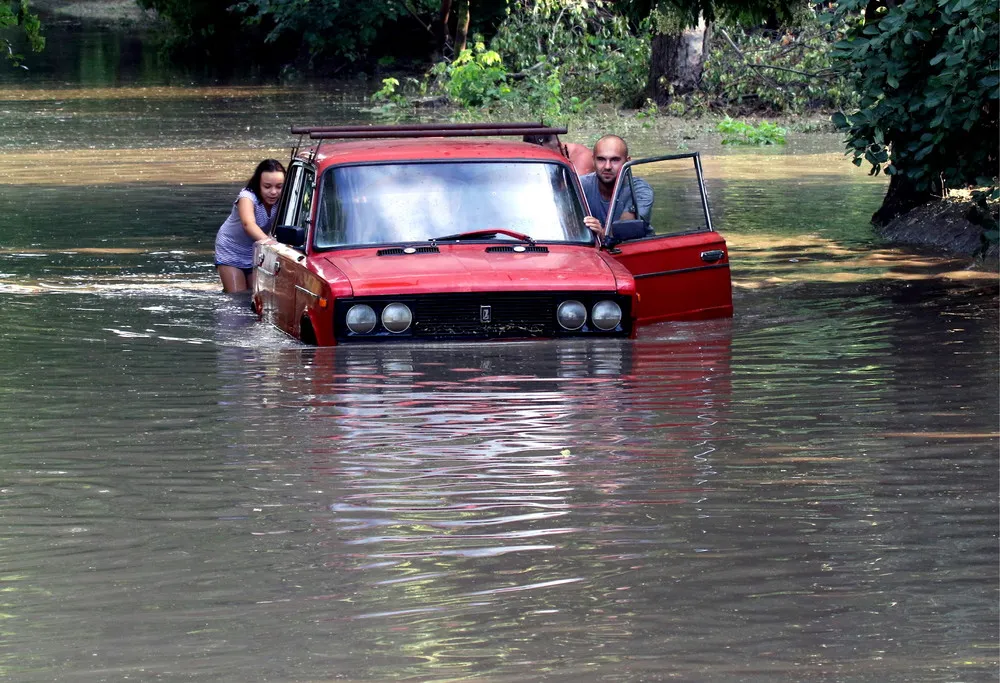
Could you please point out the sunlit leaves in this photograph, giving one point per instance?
(742, 133)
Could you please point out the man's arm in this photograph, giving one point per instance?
(643, 198)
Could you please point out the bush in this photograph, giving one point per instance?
(595, 53)
(475, 77)
(927, 74)
(741, 133)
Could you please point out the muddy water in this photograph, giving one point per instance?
(806, 492)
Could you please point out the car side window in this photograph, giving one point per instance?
(678, 187)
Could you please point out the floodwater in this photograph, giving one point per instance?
(806, 492)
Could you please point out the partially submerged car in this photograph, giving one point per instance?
(447, 231)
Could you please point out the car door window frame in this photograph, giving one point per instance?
(290, 198)
(307, 193)
(626, 172)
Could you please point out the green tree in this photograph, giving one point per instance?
(593, 51)
(927, 74)
(344, 29)
(16, 15)
(205, 29)
(682, 35)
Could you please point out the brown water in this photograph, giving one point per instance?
(807, 492)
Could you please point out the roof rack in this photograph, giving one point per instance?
(437, 133)
(419, 130)
(399, 127)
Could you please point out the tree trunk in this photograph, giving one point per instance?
(900, 198)
(677, 62)
(462, 29)
(441, 32)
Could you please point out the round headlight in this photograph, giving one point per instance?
(571, 315)
(606, 315)
(396, 317)
(361, 319)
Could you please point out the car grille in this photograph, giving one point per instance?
(462, 316)
(519, 316)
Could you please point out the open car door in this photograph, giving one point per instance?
(680, 264)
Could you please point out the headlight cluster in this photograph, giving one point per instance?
(396, 318)
(488, 315)
(604, 315)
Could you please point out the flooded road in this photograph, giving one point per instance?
(807, 492)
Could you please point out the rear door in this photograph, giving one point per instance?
(680, 264)
(283, 268)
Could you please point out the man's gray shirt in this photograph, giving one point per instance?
(599, 206)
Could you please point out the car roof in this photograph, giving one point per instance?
(425, 149)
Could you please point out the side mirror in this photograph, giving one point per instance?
(292, 235)
(623, 231)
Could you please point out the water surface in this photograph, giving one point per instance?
(805, 492)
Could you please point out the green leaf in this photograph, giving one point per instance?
(990, 81)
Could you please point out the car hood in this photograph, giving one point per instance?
(470, 268)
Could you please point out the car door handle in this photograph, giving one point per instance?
(271, 273)
(712, 255)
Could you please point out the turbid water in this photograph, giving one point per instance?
(806, 492)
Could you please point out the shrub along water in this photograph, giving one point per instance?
(927, 75)
(742, 133)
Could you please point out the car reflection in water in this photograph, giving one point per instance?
(438, 487)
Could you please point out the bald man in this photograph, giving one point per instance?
(610, 154)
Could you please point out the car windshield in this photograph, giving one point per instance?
(411, 202)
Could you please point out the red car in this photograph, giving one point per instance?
(433, 231)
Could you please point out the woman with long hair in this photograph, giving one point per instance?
(249, 221)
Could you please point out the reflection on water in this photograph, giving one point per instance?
(792, 492)
(805, 492)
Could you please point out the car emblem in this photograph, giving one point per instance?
(485, 314)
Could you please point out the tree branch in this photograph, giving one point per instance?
(818, 75)
(406, 5)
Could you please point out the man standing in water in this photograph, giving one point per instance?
(610, 154)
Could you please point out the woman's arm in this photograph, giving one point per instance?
(244, 205)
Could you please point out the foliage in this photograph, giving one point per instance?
(190, 18)
(742, 133)
(786, 70)
(927, 75)
(671, 16)
(203, 27)
(983, 215)
(345, 29)
(476, 76)
(547, 60)
(388, 94)
(595, 52)
(17, 13)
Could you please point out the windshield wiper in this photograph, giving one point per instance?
(475, 234)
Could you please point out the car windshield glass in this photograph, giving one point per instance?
(410, 202)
